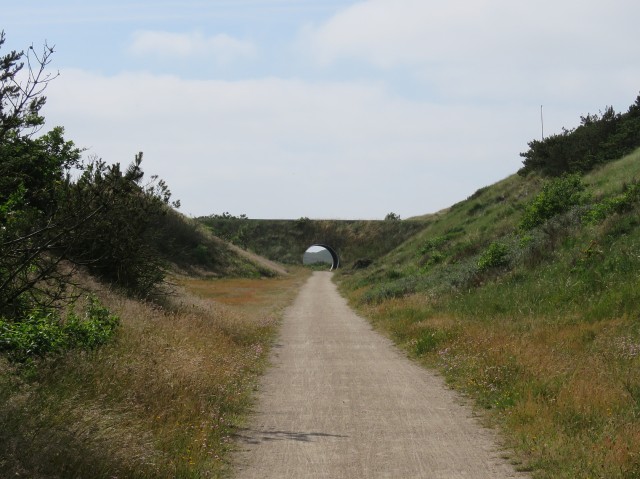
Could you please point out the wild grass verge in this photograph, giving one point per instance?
(539, 325)
(565, 393)
(160, 401)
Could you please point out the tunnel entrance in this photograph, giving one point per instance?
(321, 253)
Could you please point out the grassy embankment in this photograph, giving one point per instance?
(286, 241)
(539, 325)
(162, 400)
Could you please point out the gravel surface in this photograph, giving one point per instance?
(341, 401)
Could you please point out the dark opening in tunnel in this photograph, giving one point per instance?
(334, 255)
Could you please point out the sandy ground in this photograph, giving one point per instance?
(340, 401)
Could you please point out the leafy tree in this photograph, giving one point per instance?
(598, 139)
(32, 171)
(119, 244)
(21, 102)
(104, 219)
(228, 216)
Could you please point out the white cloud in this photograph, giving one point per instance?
(394, 32)
(489, 49)
(287, 148)
(448, 95)
(162, 44)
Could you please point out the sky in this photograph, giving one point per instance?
(326, 109)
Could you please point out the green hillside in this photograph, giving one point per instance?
(117, 359)
(527, 296)
(131, 337)
(286, 241)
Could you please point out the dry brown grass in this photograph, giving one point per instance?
(161, 401)
(566, 395)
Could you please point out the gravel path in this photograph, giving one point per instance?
(340, 401)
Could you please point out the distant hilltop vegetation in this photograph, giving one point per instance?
(286, 241)
(525, 297)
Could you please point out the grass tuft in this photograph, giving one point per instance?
(162, 400)
(539, 324)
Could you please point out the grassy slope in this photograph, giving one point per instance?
(187, 245)
(286, 241)
(548, 341)
(163, 399)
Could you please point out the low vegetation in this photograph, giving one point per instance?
(45, 332)
(60, 213)
(161, 400)
(287, 240)
(525, 296)
(123, 352)
(599, 139)
(112, 364)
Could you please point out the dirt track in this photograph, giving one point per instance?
(340, 401)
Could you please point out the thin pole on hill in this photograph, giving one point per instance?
(542, 122)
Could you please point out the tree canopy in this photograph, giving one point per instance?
(59, 211)
(599, 139)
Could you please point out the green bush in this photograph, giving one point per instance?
(557, 196)
(43, 332)
(433, 244)
(38, 334)
(94, 329)
(201, 254)
(617, 204)
(497, 254)
(435, 258)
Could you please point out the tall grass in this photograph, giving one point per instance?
(541, 331)
(162, 401)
